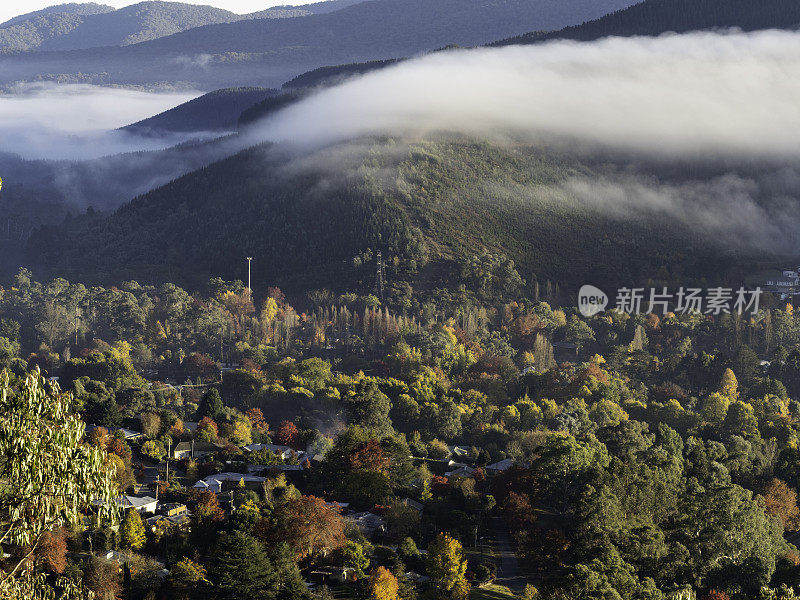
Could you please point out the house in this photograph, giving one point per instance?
(417, 506)
(464, 471)
(172, 509)
(195, 449)
(181, 520)
(416, 577)
(128, 434)
(215, 483)
(143, 504)
(459, 470)
(368, 523)
(500, 466)
(284, 452)
(458, 451)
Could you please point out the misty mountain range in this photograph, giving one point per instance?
(424, 200)
(81, 26)
(212, 52)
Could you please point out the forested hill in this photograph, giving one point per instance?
(430, 208)
(654, 17)
(267, 52)
(88, 8)
(216, 111)
(76, 26)
(129, 25)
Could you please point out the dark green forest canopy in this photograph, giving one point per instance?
(317, 220)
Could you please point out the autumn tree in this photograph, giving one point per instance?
(729, 386)
(52, 551)
(132, 531)
(207, 430)
(184, 578)
(382, 585)
(309, 526)
(369, 455)
(781, 501)
(288, 435)
(447, 568)
(257, 421)
(102, 577)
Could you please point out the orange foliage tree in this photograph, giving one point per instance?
(309, 526)
(781, 501)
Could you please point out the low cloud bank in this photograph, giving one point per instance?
(79, 122)
(703, 93)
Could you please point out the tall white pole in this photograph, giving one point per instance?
(249, 289)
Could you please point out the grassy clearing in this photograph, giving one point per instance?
(492, 592)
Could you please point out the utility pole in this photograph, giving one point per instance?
(76, 327)
(249, 289)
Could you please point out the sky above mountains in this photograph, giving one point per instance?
(12, 8)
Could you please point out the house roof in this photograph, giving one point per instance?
(198, 447)
(502, 465)
(270, 447)
(413, 504)
(461, 471)
(214, 482)
(134, 501)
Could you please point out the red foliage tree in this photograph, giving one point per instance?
(309, 526)
(52, 551)
(440, 485)
(288, 435)
(257, 420)
(518, 511)
(200, 365)
(369, 455)
(716, 595)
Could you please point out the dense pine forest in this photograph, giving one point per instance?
(655, 17)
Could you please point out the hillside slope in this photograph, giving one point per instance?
(654, 17)
(267, 52)
(83, 9)
(81, 26)
(429, 207)
(128, 25)
(216, 111)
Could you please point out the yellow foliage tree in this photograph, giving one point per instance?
(447, 568)
(729, 386)
(382, 585)
(132, 531)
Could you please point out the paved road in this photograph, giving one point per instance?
(508, 571)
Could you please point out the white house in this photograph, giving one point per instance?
(143, 504)
(214, 483)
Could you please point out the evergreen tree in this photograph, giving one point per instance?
(241, 569)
